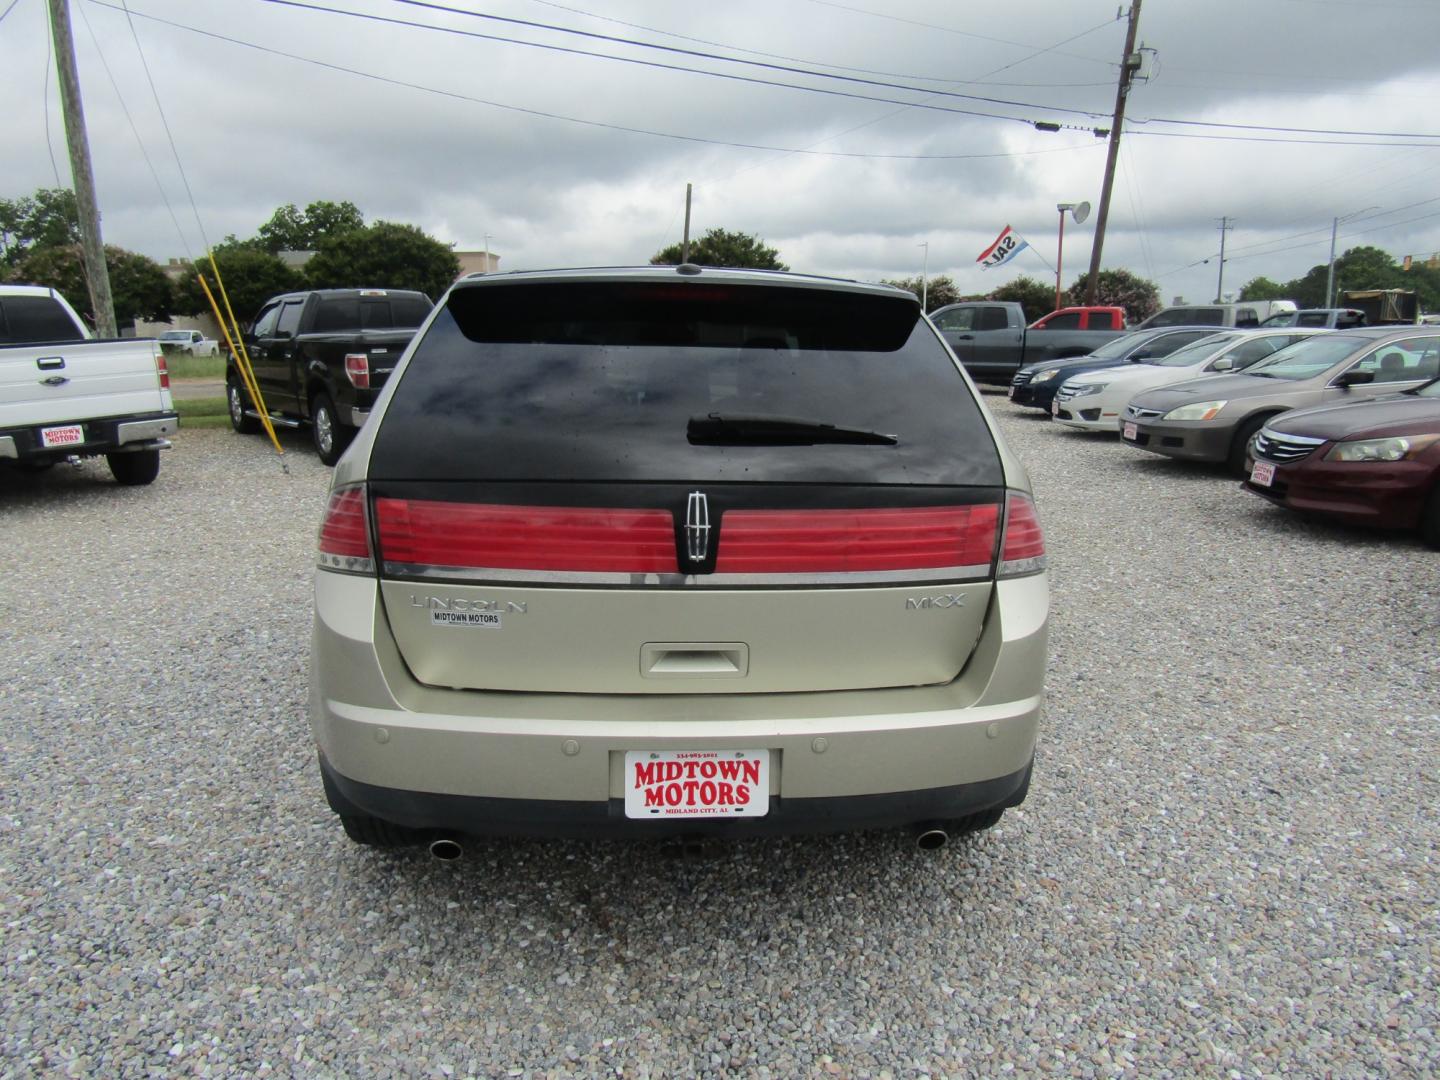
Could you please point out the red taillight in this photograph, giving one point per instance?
(1024, 550)
(357, 370)
(478, 535)
(824, 541)
(162, 369)
(345, 533)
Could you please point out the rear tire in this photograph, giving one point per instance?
(331, 436)
(235, 399)
(1240, 446)
(136, 468)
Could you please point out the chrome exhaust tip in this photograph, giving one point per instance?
(931, 839)
(445, 849)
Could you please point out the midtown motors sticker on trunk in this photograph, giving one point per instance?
(697, 783)
(486, 620)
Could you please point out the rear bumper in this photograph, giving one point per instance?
(553, 763)
(605, 819)
(100, 436)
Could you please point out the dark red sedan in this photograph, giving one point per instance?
(1375, 462)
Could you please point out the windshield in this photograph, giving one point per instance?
(1121, 346)
(1311, 357)
(1197, 352)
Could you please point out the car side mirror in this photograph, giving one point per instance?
(1223, 364)
(1355, 378)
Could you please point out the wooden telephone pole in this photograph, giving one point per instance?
(96, 274)
(1128, 64)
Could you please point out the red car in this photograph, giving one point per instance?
(1373, 462)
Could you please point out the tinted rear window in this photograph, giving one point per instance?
(345, 313)
(598, 382)
(35, 318)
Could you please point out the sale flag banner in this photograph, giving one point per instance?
(1006, 246)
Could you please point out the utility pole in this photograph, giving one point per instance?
(1225, 227)
(96, 274)
(685, 244)
(1334, 230)
(925, 278)
(1129, 62)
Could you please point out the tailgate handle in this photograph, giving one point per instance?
(50, 363)
(54, 380)
(694, 660)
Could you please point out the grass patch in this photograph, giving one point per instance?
(195, 367)
(203, 413)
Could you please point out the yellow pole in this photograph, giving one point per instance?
(236, 346)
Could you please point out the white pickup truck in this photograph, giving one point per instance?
(65, 395)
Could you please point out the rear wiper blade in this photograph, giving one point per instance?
(744, 429)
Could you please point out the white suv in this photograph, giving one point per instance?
(665, 551)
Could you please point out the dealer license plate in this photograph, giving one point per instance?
(1012, 393)
(1263, 475)
(1054, 408)
(1129, 432)
(697, 783)
(69, 435)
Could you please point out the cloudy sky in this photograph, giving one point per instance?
(847, 134)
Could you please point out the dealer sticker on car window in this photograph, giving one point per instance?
(487, 620)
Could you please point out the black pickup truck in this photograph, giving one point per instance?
(321, 357)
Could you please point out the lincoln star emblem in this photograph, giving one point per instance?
(697, 527)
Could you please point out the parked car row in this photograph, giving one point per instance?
(1341, 423)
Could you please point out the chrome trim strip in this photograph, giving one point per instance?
(145, 430)
(1299, 440)
(716, 581)
(7, 447)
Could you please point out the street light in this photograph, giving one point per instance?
(1078, 211)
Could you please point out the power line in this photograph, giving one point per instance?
(95, 40)
(457, 96)
(946, 29)
(169, 135)
(430, 5)
(1092, 114)
(949, 81)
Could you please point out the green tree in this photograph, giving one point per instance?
(49, 218)
(385, 255)
(938, 291)
(1361, 267)
(138, 285)
(1036, 297)
(1262, 288)
(251, 277)
(291, 229)
(1121, 288)
(721, 248)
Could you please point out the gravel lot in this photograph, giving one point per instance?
(1229, 864)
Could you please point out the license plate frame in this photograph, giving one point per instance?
(62, 435)
(1129, 432)
(691, 785)
(1263, 474)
